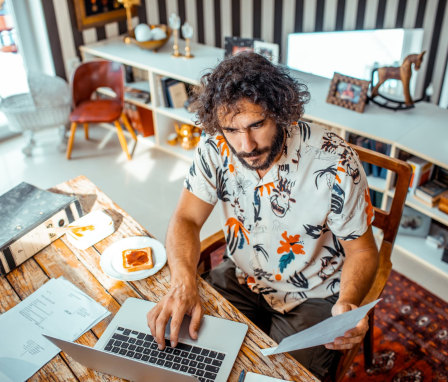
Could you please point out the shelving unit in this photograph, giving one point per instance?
(421, 131)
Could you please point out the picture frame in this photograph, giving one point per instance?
(91, 14)
(267, 50)
(234, 45)
(348, 92)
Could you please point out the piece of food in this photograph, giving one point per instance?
(137, 259)
(78, 231)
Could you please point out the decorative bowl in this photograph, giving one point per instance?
(154, 45)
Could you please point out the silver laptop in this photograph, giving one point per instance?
(128, 350)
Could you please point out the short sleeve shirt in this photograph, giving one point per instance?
(282, 230)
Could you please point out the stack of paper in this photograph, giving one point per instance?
(57, 308)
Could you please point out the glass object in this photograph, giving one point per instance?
(174, 22)
(187, 31)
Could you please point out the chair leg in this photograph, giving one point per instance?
(70, 140)
(122, 139)
(368, 343)
(128, 126)
(86, 130)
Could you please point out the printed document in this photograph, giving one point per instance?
(322, 333)
(57, 308)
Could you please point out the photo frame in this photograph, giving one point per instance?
(91, 14)
(234, 45)
(267, 50)
(348, 92)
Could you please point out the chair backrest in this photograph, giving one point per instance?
(388, 221)
(92, 75)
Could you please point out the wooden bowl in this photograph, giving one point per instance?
(151, 44)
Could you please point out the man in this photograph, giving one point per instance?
(295, 207)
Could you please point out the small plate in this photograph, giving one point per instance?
(112, 261)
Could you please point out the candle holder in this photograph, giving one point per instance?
(174, 23)
(128, 4)
(187, 31)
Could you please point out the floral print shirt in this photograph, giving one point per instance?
(282, 230)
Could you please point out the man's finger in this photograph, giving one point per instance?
(151, 317)
(176, 322)
(159, 334)
(195, 322)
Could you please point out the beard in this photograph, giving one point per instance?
(273, 150)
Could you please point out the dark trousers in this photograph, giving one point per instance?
(318, 359)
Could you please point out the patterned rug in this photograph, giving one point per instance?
(411, 336)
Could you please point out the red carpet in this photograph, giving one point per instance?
(411, 336)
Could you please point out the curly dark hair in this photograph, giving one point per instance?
(250, 76)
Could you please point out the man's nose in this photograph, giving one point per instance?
(248, 144)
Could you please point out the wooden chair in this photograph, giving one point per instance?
(88, 77)
(387, 221)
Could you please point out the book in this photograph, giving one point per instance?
(139, 95)
(431, 191)
(31, 219)
(140, 118)
(421, 172)
(166, 83)
(177, 94)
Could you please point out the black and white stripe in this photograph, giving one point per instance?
(270, 20)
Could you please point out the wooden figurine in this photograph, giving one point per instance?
(402, 73)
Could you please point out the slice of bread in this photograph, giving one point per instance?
(137, 259)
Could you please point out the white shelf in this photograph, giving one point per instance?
(180, 114)
(421, 130)
(177, 150)
(417, 247)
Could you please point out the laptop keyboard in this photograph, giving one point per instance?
(202, 363)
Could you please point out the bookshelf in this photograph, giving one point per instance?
(421, 131)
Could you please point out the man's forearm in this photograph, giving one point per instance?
(183, 250)
(357, 276)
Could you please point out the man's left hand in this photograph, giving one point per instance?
(351, 337)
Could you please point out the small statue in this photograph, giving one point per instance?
(402, 73)
(186, 135)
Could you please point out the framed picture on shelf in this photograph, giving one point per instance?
(268, 50)
(234, 45)
(348, 92)
(93, 13)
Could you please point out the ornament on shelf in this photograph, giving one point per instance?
(403, 73)
(128, 4)
(174, 23)
(187, 136)
(187, 32)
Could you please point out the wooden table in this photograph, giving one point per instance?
(82, 268)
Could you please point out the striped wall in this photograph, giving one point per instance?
(270, 20)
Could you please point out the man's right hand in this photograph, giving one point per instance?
(182, 298)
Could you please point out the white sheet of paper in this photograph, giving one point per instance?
(57, 308)
(323, 332)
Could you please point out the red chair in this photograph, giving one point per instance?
(87, 78)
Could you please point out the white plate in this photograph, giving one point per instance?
(112, 261)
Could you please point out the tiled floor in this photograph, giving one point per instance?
(147, 187)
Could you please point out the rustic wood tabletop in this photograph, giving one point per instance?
(82, 268)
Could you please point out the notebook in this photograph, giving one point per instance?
(128, 350)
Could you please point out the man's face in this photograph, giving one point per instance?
(253, 138)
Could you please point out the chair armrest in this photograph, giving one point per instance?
(208, 246)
